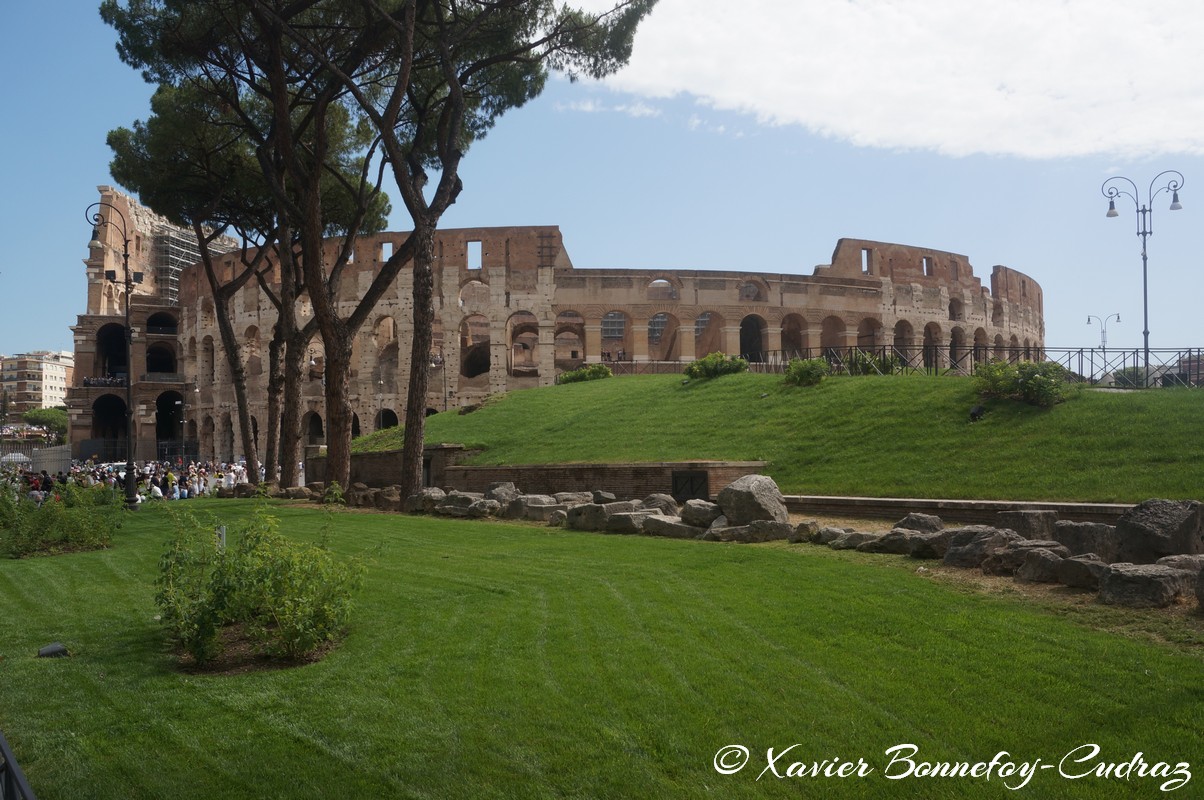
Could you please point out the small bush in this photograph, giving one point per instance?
(70, 520)
(1041, 384)
(714, 365)
(333, 496)
(291, 599)
(590, 372)
(806, 372)
(859, 362)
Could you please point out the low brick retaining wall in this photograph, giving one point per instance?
(981, 512)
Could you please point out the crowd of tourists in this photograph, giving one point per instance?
(155, 480)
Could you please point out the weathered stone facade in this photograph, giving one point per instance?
(512, 312)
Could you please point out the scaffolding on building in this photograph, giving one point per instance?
(175, 249)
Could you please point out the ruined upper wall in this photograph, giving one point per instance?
(862, 258)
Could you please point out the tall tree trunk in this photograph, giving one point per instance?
(271, 460)
(420, 360)
(290, 415)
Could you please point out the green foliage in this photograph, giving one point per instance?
(860, 362)
(71, 519)
(1128, 378)
(714, 365)
(52, 419)
(590, 372)
(290, 598)
(806, 371)
(333, 496)
(1042, 384)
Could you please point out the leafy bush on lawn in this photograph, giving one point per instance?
(290, 598)
(860, 362)
(714, 365)
(1041, 384)
(806, 371)
(72, 519)
(590, 372)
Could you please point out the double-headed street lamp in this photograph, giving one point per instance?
(98, 220)
(1113, 188)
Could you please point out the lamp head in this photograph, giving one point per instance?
(1175, 206)
(1112, 209)
(95, 242)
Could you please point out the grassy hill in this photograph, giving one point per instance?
(896, 436)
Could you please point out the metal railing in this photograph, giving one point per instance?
(13, 785)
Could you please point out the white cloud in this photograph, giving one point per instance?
(1034, 78)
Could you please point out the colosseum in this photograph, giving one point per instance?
(512, 312)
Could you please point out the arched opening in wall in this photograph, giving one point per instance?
(385, 372)
(1028, 350)
(311, 425)
(1000, 346)
(474, 296)
(997, 317)
(386, 418)
(570, 340)
(355, 425)
(663, 341)
(754, 338)
(430, 412)
(208, 448)
(905, 342)
(110, 352)
(982, 346)
(932, 346)
(958, 351)
(474, 346)
(190, 355)
(162, 322)
(169, 426)
(225, 445)
(208, 318)
(108, 422)
(523, 334)
(161, 359)
(616, 345)
(957, 310)
(832, 336)
(661, 290)
(794, 337)
(207, 369)
(190, 430)
(1013, 348)
(708, 334)
(752, 292)
(251, 352)
(869, 334)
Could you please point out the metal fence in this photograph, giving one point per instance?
(1108, 367)
(13, 785)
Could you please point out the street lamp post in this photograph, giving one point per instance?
(98, 220)
(1113, 188)
(1103, 334)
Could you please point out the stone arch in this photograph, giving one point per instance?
(108, 418)
(208, 318)
(708, 333)
(1000, 346)
(869, 334)
(664, 343)
(312, 432)
(982, 346)
(932, 346)
(252, 355)
(570, 340)
(475, 296)
(111, 357)
(663, 289)
(385, 418)
(957, 309)
(169, 424)
(997, 313)
(958, 349)
(616, 336)
(753, 290)
(225, 443)
(160, 358)
(207, 368)
(795, 340)
(162, 322)
(355, 425)
(904, 341)
(474, 346)
(208, 443)
(832, 334)
(754, 338)
(523, 336)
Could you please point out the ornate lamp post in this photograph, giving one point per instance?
(1103, 334)
(1113, 188)
(98, 220)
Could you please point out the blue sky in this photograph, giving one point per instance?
(749, 140)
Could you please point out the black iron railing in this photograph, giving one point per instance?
(13, 785)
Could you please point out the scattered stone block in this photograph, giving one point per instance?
(753, 497)
(1082, 571)
(1035, 525)
(1081, 538)
(1191, 563)
(1008, 559)
(1040, 566)
(853, 539)
(664, 503)
(805, 531)
(974, 544)
(671, 527)
(1145, 585)
(1158, 528)
(920, 522)
(700, 513)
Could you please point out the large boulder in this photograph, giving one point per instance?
(536, 507)
(573, 498)
(1040, 566)
(805, 531)
(425, 501)
(298, 493)
(760, 530)
(853, 540)
(1192, 563)
(1035, 525)
(930, 544)
(664, 503)
(389, 499)
(916, 521)
(457, 504)
(974, 544)
(828, 534)
(897, 541)
(1158, 528)
(1009, 558)
(1081, 538)
(503, 492)
(700, 513)
(629, 521)
(484, 507)
(587, 517)
(1083, 571)
(752, 497)
(1145, 585)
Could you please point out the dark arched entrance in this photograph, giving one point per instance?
(752, 338)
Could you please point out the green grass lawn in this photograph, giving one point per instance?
(492, 660)
(896, 436)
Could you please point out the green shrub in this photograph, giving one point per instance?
(806, 372)
(70, 520)
(291, 599)
(714, 365)
(590, 372)
(860, 362)
(333, 496)
(1041, 384)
